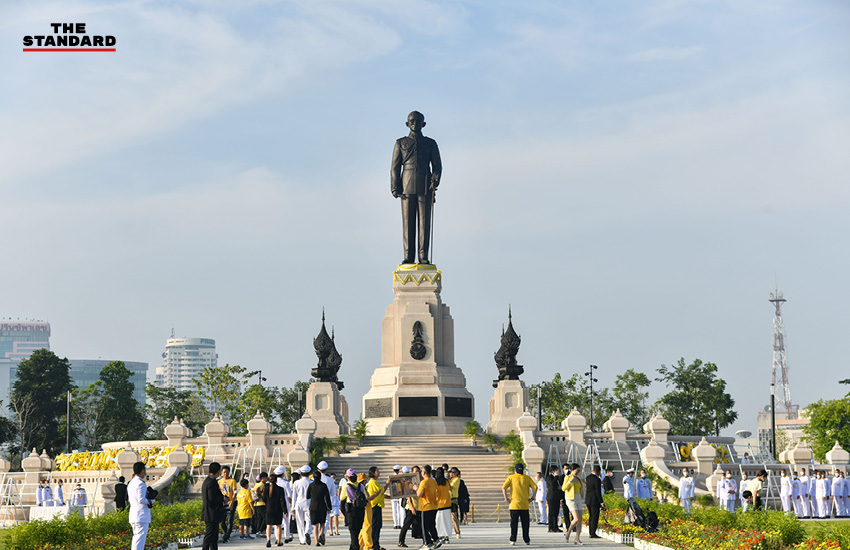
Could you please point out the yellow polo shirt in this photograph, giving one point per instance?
(455, 485)
(427, 495)
(374, 487)
(520, 486)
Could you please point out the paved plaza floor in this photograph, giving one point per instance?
(479, 535)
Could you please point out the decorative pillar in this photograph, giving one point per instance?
(712, 481)
(107, 494)
(216, 431)
(5, 465)
(532, 454)
(46, 462)
(704, 455)
(800, 455)
(125, 460)
(32, 466)
(305, 427)
(837, 456)
(176, 433)
(659, 427)
(617, 426)
(258, 429)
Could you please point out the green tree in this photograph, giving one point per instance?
(165, 404)
(222, 386)
(630, 398)
(287, 406)
(559, 396)
(257, 397)
(698, 403)
(43, 381)
(829, 421)
(86, 412)
(122, 418)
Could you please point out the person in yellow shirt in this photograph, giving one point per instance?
(454, 484)
(375, 494)
(521, 487)
(244, 509)
(444, 505)
(573, 489)
(228, 488)
(427, 493)
(260, 505)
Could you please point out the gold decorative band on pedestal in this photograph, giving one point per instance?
(417, 274)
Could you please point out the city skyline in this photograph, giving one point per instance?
(633, 180)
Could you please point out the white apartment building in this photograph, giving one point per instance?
(183, 359)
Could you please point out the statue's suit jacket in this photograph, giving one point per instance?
(420, 158)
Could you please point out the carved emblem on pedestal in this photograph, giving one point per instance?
(417, 349)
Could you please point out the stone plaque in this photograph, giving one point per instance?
(379, 408)
(459, 406)
(417, 406)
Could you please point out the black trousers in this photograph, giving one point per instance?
(355, 523)
(552, 507)
(593, 519)
(416, 212)
(210, 536)
(429, 526)
(227, 522)
(259, 519)
(377, 523)
(519, 516)
(409, 518)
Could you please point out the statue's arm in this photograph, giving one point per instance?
(395, 171)
(436, 167)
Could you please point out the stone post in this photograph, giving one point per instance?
(258, 429)
(800, 455)
(712, 480)
(837, 456)
(216, 430)
(324, 405)
(5, 465)
(574, 424)
(107, 493)
(305, 427)
(46, 462)
(176, 433)
(617, 426)
(704, 455)
(125, 460)
(32, 466)
(659, 427)
(532, 454)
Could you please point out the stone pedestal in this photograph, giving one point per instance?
(508, 403)
(327, 407)
(417, 389)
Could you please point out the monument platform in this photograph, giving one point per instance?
(418, 389)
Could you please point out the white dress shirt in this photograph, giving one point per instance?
(137, 491)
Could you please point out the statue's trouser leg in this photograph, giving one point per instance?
(424, 226)
(408, 225)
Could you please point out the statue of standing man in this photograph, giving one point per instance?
(414, 176)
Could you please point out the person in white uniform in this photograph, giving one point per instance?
(540, 498)
(804, 494)
(47, 495)
(332, 489)
(629, 484)
(686, 491)
(785, 491)
(838, 494)
(795, 496)
(395, 504)
(727, 492)
(79, 501)
(140, 506)
(280, 472)
(813, 501)
(741, 488)
(823, 490)
(301, 504)
(643, 486)
(39, 494)
(60, 497)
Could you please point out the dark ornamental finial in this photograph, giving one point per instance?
(505, 357)
(329, 359)
(417, 348)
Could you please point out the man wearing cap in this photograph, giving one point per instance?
(629, 484)
(395, 504)
(521, 486)
(281, 482)
(332, 489)
(301, 504)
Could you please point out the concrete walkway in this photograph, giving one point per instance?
(480, 535)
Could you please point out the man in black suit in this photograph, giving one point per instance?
(593, 500)
(608, 481)
(553, 498)
(212, 507)
(120, 494)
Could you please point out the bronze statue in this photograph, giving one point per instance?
(329, 358)
(506, 355)
(414, 176)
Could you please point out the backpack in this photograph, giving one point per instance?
(360, 500)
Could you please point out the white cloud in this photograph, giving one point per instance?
(666, 54)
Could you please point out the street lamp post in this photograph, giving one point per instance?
(773, 420)
(299, 404)
(68, 426)
(539, 411)
(590, 377)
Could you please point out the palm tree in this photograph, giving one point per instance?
(471, 430)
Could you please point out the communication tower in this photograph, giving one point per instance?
(780, 363)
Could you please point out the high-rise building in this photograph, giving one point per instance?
(18, 339)
(184, 359)
(85, 372)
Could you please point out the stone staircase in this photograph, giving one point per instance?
(483, 472)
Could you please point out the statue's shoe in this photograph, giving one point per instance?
(407, 262)
(424, 262)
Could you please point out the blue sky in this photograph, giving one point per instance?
(634, 178)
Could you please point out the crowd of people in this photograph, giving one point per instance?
(311, 504)
(46, 496)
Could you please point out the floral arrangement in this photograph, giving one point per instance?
(153, 457)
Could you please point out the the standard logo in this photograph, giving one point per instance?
(69, 37)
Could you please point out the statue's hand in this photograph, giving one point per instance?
(395, 194)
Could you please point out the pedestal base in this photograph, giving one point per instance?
(509, 401)
(327, 407)
(417, 390)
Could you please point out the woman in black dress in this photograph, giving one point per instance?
(320, 503)
(275, 509)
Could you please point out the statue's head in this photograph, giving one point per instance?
(415, 121)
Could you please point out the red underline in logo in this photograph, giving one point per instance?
(69, 49)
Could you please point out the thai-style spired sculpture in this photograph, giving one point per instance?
(506, 356)
(329, 358)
